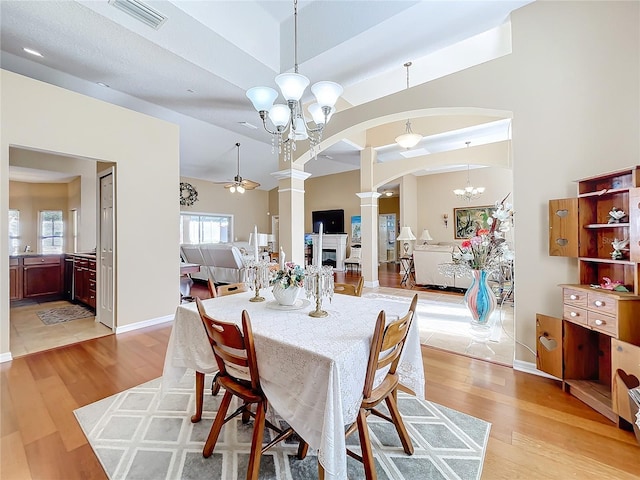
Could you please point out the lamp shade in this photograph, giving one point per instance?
(292, 85)
(263, 240)
(279, 115)
(408, 140)
(262, 98)
(426, 236)
(326, 93)
(299, 132)
(406, 234)
(318, 115)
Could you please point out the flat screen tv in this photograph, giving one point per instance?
(332, 221)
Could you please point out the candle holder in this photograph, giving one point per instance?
(318, 283)
(257, 277)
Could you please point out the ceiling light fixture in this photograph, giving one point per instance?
(388, 193)
(31, 51)
(469, 192)
(291, 115)
(408, 139)
(240, 184)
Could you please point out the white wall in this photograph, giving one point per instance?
(572, 87)
(37, 115)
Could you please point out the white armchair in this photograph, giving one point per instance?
(354, 258)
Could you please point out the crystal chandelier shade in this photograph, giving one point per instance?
(291, 115)
(469, 192)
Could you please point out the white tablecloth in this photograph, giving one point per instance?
(311, 369)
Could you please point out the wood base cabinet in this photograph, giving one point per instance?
(594, 349)
(84, 280)
(36, 276)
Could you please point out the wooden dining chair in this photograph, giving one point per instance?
(231, 288)
(386, 348)
(235, 355)
(349, 289)
(212, 288)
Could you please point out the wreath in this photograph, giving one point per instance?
(188, 194)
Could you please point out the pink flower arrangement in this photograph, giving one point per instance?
(487, 249)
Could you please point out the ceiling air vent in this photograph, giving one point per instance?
(141, 12)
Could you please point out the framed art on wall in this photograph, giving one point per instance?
(468, 220)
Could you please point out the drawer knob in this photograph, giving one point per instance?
(599, 303)
(574, 314)
(600, 322)
(574, 297)
(42, 259)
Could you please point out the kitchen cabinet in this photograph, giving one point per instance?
(36, 276)
(15, 279)
(84, 280)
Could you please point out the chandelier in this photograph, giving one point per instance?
(469, 192)
(408, 139)
(289, 123)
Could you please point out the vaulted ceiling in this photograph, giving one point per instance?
(195, 68)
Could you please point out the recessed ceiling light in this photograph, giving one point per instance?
(31, 51)
(248, 125)
(388, 193)
(190, 91)
(328, 157)
(103, 84)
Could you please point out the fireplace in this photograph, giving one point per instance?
(329, 257)
(334, 250)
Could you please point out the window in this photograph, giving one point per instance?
(206, 228)
(51, 231)
(74, 229)
(14, 231)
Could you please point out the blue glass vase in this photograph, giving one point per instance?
(481, 303)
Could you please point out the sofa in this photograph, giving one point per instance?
(221, 262)
(426, 259)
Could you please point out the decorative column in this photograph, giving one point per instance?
(291, 211)
(369, 231)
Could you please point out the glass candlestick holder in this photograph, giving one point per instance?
(257, 277)
(318, 284)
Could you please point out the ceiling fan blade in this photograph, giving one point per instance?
(249, 184)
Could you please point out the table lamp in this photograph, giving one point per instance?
(426, 236)
(406, 235)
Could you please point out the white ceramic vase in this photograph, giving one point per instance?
(285, 296)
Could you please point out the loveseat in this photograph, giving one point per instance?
(426, 259)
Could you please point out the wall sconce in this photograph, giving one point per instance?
(445, 219)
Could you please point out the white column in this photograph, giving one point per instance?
(369, 231)
(291, 211)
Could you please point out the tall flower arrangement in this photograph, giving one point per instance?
(488, 248)
(291, 275)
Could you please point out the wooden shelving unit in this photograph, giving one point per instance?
(594, 319)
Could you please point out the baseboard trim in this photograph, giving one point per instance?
(375, 284)
(5, 357)
(144, 324)
(530, 367)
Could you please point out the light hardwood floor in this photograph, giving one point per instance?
(538, 431)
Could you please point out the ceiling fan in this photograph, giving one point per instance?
(239, 184)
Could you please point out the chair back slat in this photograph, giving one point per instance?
(231, 289)
(233, 348)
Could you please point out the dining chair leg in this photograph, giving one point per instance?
(256, 442)
(320, 471)
(215, 386)
(399, 424)
(365, 445)
(217, 425)
(303, 448)
(199, 394)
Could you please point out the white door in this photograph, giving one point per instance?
(106, 285)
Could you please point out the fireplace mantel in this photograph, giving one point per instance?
(331, 241)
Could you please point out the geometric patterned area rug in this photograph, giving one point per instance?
(143, 433)
(65, 314)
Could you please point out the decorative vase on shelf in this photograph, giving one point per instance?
(481, 302)
(285, 296)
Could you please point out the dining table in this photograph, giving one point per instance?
(312, 370)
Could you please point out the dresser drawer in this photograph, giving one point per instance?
(574, 297)
(603, 323)
(574, 314)
(602, 303)
(41, 260)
